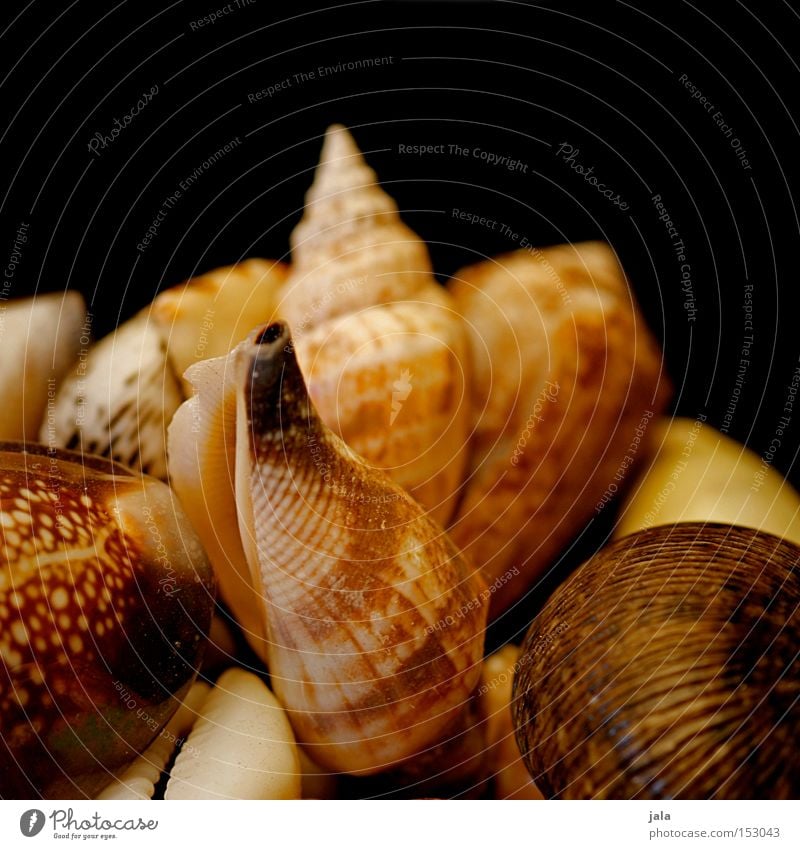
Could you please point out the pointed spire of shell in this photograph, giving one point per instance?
(350, 250)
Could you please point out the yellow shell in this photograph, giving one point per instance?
(373, 623)
(696, 473)
(380, 344)
(208, 315)
(566, 378)
(510, 777)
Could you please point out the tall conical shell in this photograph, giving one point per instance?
(40, 337)
(566, 378)
(351, 250)
(374, 623)
(119, 399)
(380, 344)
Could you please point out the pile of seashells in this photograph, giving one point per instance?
(366, 468)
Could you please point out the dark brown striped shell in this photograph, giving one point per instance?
(667, 667)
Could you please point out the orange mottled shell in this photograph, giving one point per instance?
(375, 623)
(667, 667)
(566, 378)
(105, 597)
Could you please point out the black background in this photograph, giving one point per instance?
(510, 78)
(516, 79)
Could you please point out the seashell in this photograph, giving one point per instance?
(667, 668)
(695, 473)
(118, 401)
(139, 780)
(378, 340)
(105, 600)
(316, 782)
(241, 746)
(208, 315)
(566, 378)
(373, 623)
(40, 338)
(202, 466)
(351, 250)
(510, 777)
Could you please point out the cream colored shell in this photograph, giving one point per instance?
(208, 315)
(40, 338)
(241, 746)
(118, 399)
(139, 780)
(381, 346)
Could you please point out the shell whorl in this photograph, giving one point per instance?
(381, 345)
(118, 400)
(665, 668)
(375, 622)
(350, 250)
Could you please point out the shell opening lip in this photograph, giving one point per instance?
(271, 333)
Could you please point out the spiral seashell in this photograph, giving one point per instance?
(118, 400)
(351, 250)
(208, 315)
(40, 339)
(380, 345)
(566, 378)
(666, 668)
(105, 600)
(373, 623)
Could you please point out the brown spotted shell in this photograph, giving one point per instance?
(667, 667)
(566, 378)
(105, 599)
